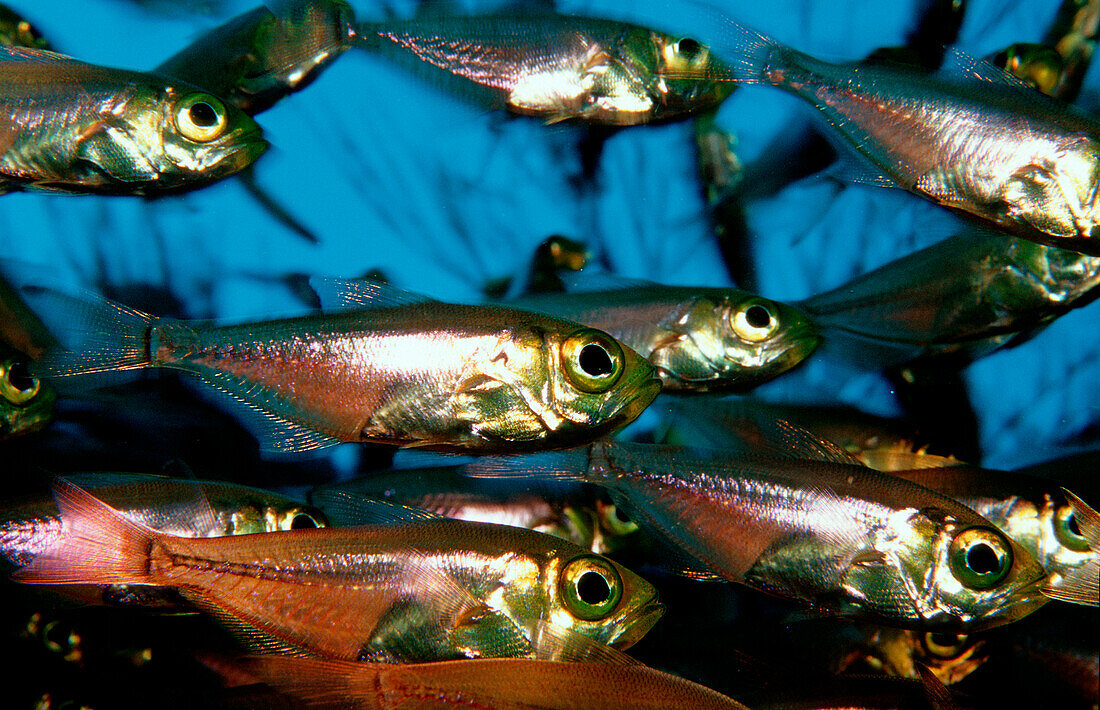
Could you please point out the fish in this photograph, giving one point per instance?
(385, 367)
(699, 339)
(71, 127)
(1057, 65)
(553, 255)
(410, 590)
(505, 684)
(970, 137)
(258, 58)
(571, 513)
(561, 67)
(16, 31)
(968, 295)
(26, 402)
(841, 539)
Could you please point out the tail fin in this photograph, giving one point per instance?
(97, 335)
(1081, 586)
(97, 546)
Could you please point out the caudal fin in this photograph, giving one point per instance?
(97, 335)
(97, 546)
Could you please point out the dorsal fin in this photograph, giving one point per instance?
(359, 294)
(346, 509)
(957, 63)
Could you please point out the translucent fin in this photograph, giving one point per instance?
(98, 545)
(253, 639)
(1088, 520)
(890, 461)
(487, 633)
(957, 63)
(96, 335)
(551, 465)
(555, 643)
(360, 294)
(182, 506)
(1082, 586)
(745, 53)
(29, 54)
(275, 432)
(937, 694)
(320, 683)
(346, 509)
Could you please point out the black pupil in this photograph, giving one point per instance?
(983, 559)
(20, 377)
(1071, 524)
(302, 522)
(758, 317)
(595, 361)
(689, 47)
(592, 588)
(941, 639)
(203, 114)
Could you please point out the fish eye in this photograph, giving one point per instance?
(17, 384)
(1068, 531)
(944, 645)
(301, 520)
(201, 117)
(593, 361)
(616, 520)
(980, 558)
(754, 322)
(591, 587)
(689, 48)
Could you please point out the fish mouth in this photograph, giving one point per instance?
(249, 147)
(646, 393)
(646, 617)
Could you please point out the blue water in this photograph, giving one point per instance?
(442, 195)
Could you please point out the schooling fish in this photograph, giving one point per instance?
(973, 139)
(844, 539)
(972, 294)
(561, 67)
(16, 31)
(1057, 65)
(258, 58)
(504, 684)
(401, 592)
(699, 339)
(67, 126)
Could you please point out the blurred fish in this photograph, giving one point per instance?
(407, 591)
(901, 652)
(561, 67)
(843, 539)
(397, 369)
(16, 31)
(967, 295)
(572, 513)
(972, 139)
(505, 684)
(68, 126)
(553, 256)
(699, 339)
(26, 402)
(258, 58)
(1057, 65)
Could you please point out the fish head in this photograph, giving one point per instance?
(596, 384)
(732, 341)
(244, 518)
(26, 402)
(203, 138)
(947, 571)
(599, 599)
(1062, 540)
(690, 77)
(1038, 64)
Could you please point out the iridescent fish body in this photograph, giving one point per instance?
(843, 539)
(1045, 520)
(401, 592)
(258, 58)
(572, 513)
(396, 369)
(972, 139)
(699, 339)
(67, 126)
(561, 67)
(503, 684)
(969, 294)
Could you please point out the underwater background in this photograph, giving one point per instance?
(389, 172)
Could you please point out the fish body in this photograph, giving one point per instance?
(504, 684)
(68, 126)
(971, 140)
(416, 591)
(971, 293)
(571, 513)
(411, 373)
(844, 539)
(258, 58)
(561, 67)
(699, 339)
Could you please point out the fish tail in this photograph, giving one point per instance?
(98, 544)
(97, 335)
(323, 683)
